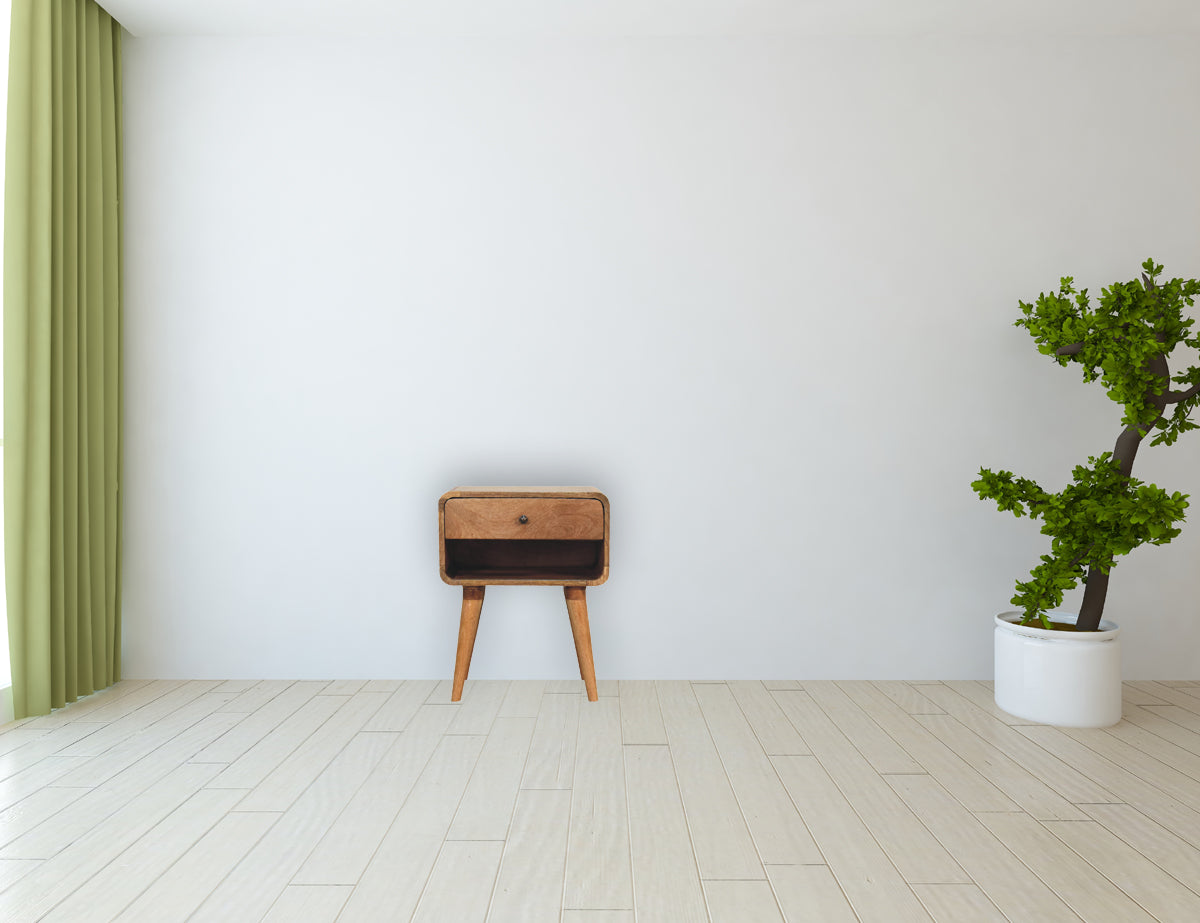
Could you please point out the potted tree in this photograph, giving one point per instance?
(1052, 666)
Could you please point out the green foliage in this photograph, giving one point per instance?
(1098, 517)
(1123, 341)
(1119, 338)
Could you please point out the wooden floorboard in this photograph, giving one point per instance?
(355, 801)
(721, 841)
(598, 875)
(529, 885)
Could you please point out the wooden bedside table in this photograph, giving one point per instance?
(541, 536)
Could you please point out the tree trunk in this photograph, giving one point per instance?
(1091, 610)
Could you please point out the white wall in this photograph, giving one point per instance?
(758, 291)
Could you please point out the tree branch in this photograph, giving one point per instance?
(1175, 397)
(1068, 350)
(1083, 554)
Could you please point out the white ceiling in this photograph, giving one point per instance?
(583, 18)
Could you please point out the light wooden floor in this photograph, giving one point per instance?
(669, 801)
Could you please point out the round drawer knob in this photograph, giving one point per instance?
(523, 519)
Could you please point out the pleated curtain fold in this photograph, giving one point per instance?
(62, 352)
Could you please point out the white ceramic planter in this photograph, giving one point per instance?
(1058, 677)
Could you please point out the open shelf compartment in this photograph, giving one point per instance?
(523, 560)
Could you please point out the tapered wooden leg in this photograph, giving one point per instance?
(577, 611)
(468, 625)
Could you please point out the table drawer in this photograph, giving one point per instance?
(545, 518)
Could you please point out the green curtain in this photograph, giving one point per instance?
(62, 352)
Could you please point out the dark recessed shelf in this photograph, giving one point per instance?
(524, 559)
